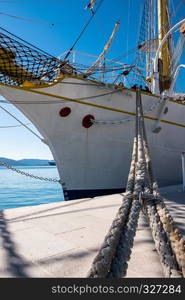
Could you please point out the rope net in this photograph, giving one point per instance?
(20, 63)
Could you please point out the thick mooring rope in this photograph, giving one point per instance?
(153, 204)
(176, 240)
(142, 190)
(102, 262)
(119, 263)
(157, 213)
(111, 260)
(162, 243)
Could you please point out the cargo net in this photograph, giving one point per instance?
(20, 63)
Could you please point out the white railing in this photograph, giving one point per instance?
(109, 71)
(155, 88)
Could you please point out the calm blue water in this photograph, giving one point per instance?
(17, 190)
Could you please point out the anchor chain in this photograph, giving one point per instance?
(6, 165)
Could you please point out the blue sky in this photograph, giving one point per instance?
(68, 17)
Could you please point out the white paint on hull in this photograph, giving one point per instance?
(99, 157)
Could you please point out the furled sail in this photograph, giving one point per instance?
(102, 55)
(90, 5)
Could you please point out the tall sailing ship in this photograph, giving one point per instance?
(86, 115)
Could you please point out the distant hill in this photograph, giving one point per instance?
(26, 162)
(10, 161)
(33, 162)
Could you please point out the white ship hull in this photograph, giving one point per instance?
(96, 160)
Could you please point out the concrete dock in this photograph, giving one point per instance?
(61, 239)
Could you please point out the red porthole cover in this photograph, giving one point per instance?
(65, 111)
(87, 121)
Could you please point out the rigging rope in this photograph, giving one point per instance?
(26, 19)
(125, 54)
(59, 101)
(13, 126)
(24, 41)
(178, 6)
(28, 2)
(20, 63)
(25, 125)
(128, 25)
(84, 29)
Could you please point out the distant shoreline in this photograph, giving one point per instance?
(28, 162)
(22, 166)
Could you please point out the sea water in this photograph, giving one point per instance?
(18, 190)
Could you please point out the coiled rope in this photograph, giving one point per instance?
(141, 192)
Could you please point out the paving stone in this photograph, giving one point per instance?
(36, 243)
(61, 239)
(73, 263)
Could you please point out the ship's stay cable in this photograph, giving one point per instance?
(175, 10)
(84, 29)
(29, 2)
(26, 19)
(59, 101)
(12, 126)
(128, 24)
(127, 53)
(37, 48)
(4, 109)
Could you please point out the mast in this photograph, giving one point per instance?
(164, 57)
